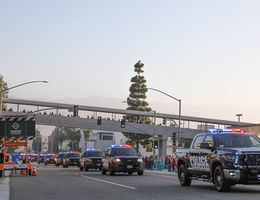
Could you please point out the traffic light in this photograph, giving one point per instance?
(99, 120)
(155, 144)
(164, 121)
(174, 139)
(76, 111)
(122, 123)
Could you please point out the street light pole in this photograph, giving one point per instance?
(154, 132)
(2, 90)
(178, 141)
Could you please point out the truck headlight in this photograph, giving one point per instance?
(117, 160)
(140, 160)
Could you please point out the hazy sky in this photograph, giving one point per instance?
(204, 52)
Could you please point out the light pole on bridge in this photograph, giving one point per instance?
(19, 85)
(239, 115)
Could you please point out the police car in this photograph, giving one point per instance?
(121, 158)
(71, 159)
(50, 159)
(59, 159)
(42, 158)
(224, 157)
(91, 159)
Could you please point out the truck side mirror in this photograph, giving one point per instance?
(204, 145)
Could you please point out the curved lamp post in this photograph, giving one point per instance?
(2, 90)
(179, 127)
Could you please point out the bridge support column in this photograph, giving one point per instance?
(162, 146)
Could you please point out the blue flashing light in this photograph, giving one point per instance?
(226, 130)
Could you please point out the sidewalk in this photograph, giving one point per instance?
(4, 188)
(162, 172)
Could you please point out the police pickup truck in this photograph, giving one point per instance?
(224, 157)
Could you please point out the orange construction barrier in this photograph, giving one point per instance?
(34, 171)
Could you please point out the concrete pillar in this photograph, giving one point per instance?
(162, 146)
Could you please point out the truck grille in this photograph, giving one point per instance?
(252, 160)
(128, 160)
(96, 160)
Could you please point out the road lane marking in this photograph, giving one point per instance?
(165, 176)
(112, 183)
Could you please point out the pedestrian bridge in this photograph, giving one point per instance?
(108, 125)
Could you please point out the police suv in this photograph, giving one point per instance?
(59, 159)
(225, 157)
(91, 159)
(121, 158)
(71, 159)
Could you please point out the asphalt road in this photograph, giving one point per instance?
(59, 184)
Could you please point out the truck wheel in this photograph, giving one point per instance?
(220, 182)
(140, 173)
(130, 173)
(1, 173)
(104, 171)
(183, 177)
(111, 171)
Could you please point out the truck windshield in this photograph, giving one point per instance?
(94, 154)
(74, 155)
(123, 152)
(236, 140)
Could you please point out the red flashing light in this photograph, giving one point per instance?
(236, 130)
(98, 149)
(127, 146)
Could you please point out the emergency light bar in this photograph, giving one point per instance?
(122, 146)
(226, 130)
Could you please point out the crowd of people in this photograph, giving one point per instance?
(152, 163)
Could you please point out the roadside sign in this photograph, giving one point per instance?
(17, 126)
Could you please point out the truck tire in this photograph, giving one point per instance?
(183, 176)
(104, 171)
(1, 173)
(111, 171)
(140, 173)
(221, 184)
